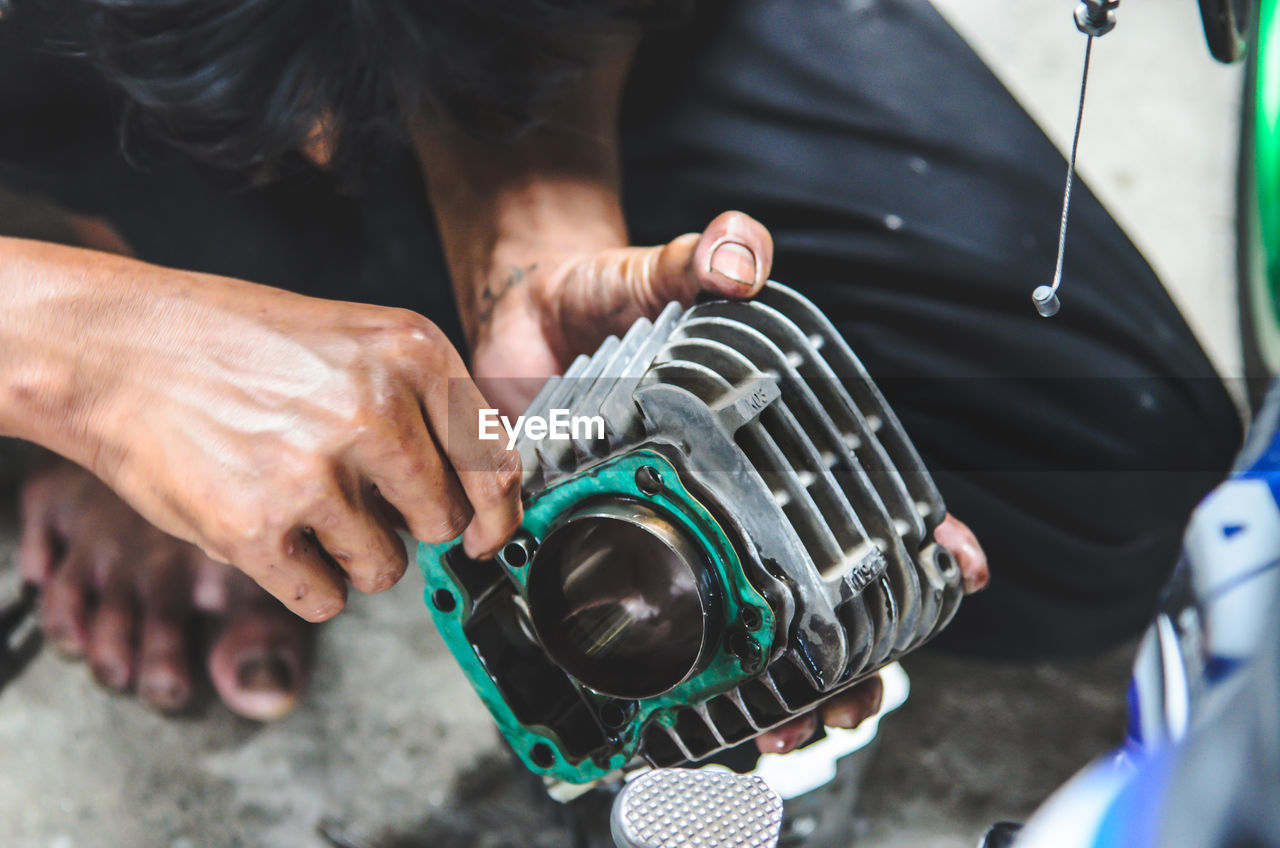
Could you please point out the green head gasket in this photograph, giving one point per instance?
(630, 529)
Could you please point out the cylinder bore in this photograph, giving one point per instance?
(621, 600)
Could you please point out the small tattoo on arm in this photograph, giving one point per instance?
(496, 291)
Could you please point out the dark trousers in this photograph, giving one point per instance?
(909, 196)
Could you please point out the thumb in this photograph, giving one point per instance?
(605, 293)
(733, 257)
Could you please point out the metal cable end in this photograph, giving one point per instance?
(1096, 18)
(1046, 301)
(678, 808)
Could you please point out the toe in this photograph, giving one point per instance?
(164, 670)
(37, 546)
(65, 606)
(111, 635)
(259, 662)
(35, 551)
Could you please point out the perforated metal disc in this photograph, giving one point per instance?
(684, 808)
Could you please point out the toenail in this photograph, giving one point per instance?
(110, 675)
(264, 673)
(66, 643)
(164, 691)
(734, 261)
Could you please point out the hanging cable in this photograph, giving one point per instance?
(1095, 18)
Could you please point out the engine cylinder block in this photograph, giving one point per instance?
(748, 532)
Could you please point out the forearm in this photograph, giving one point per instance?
(81, 332)
(53, 301)
(553, 196)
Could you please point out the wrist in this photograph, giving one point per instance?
(540, 201)
(56, 305)
(502, 232)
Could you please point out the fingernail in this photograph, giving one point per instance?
(264, 673)
(735, 261)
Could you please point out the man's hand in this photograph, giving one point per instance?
(287, 435)
(540, 317)
(538, 249)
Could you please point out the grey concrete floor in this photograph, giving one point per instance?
(392, 749)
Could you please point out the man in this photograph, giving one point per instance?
(904, 191)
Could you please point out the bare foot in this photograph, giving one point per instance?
(123, 595)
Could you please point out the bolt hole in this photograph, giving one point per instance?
(542, 755)
(614, 714)
(444, 600)
(946, 561)
(744, 648)
(515, 555)
(751, 618)
(649, 481)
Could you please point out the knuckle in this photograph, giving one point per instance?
(248, 534)
(414, 465)
(378, 399)
(382, 404)
(317, 501)
(503, 484)
(446, 527)
(412, 334)
(406, 320)
(383, 579)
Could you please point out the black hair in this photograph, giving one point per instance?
(244, 83)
